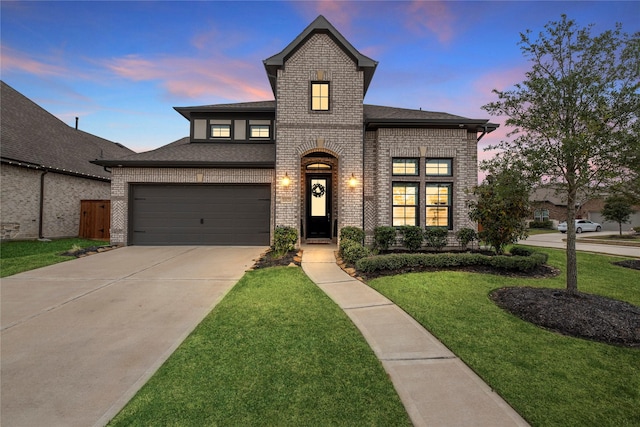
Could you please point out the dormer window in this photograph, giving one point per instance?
(259, 131)
(320, 96)
(220, 131)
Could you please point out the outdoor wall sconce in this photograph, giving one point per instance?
(286, 181)
(352, 181)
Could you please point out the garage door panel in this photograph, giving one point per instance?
(200, 214)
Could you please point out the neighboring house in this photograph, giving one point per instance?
(45, 171)
(547, 204)
(316, 158)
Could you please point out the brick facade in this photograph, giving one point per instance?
(351, 138)
(20, 202)
(301, 132)
(385, 144)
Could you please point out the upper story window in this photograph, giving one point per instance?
(405, 167)
(438, 167)
(259, 131)
(220, 131)
(320, 96)
(228, 130)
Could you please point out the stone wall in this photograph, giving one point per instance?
(20, 202)
(122, 177)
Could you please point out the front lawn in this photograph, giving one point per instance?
(24, 255)
(276, 351)
(548, 378)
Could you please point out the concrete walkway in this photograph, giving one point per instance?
(80, 338)
(436, 387)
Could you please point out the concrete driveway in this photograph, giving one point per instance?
(558, 240)
(81, 337)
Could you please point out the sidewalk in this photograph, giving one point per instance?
(436, 388)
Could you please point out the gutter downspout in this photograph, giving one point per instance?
(484, 132)
(41, 213)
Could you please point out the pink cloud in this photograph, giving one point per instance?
(197, 77)
(14, 60)
(433, 17)
(338, 12)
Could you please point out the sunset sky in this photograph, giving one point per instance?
(121, 66)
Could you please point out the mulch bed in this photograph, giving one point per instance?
(91, 250)
(268, 259)
(629, 263)
(580, 315)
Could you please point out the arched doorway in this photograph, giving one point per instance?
(319, 219)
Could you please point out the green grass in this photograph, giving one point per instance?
(534, 231)
(276, 351)
(550, 379)
(24, 255)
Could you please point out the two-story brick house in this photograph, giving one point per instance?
(316, 158)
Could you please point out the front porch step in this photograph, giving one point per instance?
(318, 241)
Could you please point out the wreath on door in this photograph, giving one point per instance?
(317, 190)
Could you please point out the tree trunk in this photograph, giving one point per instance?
(572, 261)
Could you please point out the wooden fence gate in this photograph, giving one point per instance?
(95, 219)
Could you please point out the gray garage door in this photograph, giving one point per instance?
(200, 214)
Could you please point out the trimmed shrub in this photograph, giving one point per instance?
(436, 237)
(352, 251)
(284, 240)
(412, 237)
(547, 224)
(521, 251)
(400, 262)
(384, 237)
(352, 233)
(466, 236)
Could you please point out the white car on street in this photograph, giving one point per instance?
(581, 225)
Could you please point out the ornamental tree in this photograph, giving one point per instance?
(501, 206)
(617, 209)
(575, 116)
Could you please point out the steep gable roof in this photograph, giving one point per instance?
(33, 137)
(320, 25)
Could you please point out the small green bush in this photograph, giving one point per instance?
(352, 233)
(412, 237)
(547, 224)
(436, 237)
(466, 236)
(384, 237)
(399, 262)
(521, 251)
(352, 251)
(284, 240)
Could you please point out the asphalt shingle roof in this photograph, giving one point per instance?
(205, 153)
(217, 154)
(31, 135)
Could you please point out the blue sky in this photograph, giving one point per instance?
(121, 66)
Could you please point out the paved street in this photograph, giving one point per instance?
(558, 240)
